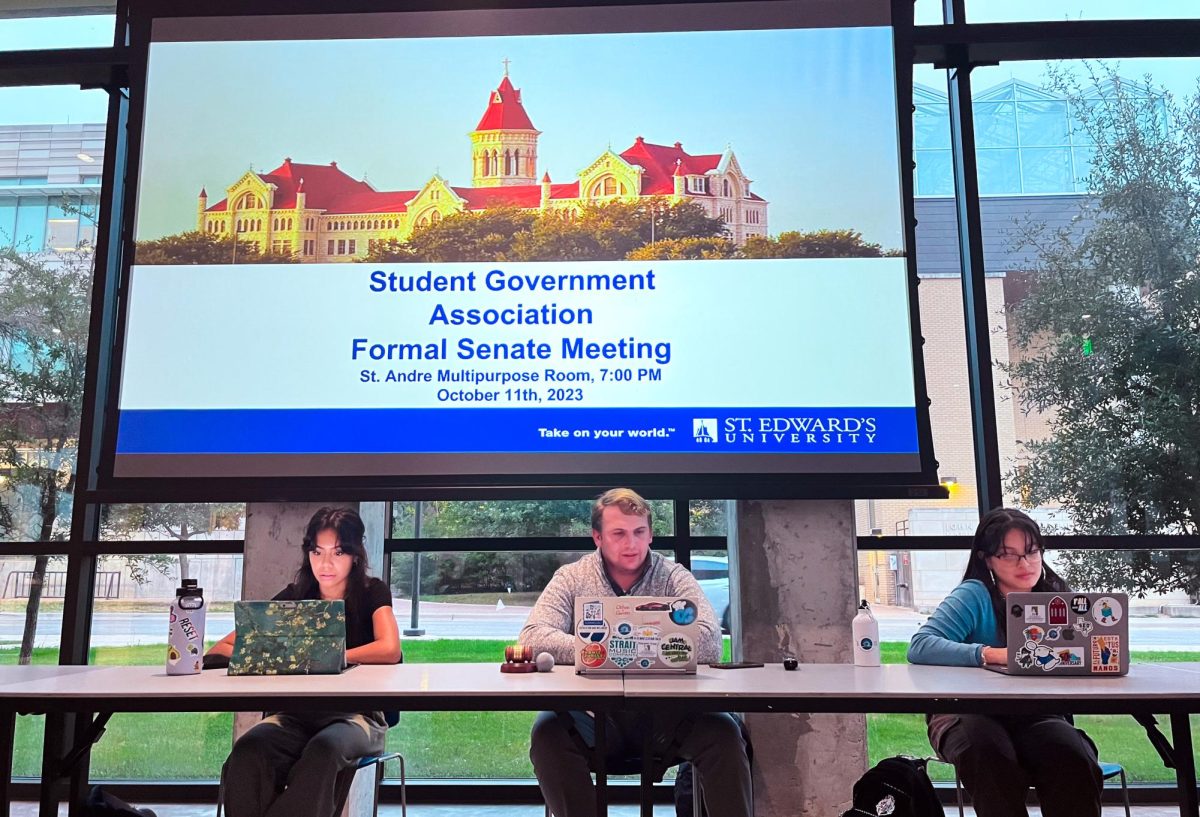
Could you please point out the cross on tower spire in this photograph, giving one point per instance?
(506, 61)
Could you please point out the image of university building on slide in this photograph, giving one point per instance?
(319, 213)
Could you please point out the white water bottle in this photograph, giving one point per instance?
(866, 637)
(185, 637)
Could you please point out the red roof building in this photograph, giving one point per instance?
(320, 213)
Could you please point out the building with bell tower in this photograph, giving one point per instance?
(504, 143)
(320, 213)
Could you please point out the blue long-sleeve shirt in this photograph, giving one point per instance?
(961, 626)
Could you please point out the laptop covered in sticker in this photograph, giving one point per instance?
(1067, 634)
(289, 637)
(636, 634)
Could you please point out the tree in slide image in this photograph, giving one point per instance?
(204, 248)
(1109, 338)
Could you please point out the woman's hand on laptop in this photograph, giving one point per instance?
(995, 655)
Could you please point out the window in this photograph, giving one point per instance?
(329, 251)
(83, 31)
(248, 201)
(30, 232)
(341, 246)
(931, 136)
(999, 11)
(1106, 347)
(726, 191)
(351, 245)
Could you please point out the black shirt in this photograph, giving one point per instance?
(360, 629)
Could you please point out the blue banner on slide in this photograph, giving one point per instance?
(540, 430)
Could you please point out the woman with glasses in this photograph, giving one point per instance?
(998, 757)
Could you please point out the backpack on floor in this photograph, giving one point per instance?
(896, 787)
(102, 804)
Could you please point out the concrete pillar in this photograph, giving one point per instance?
(797, 561)
(274, 533)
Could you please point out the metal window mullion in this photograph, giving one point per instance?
(683, 532)
(975, 314)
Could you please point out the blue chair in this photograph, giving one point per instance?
(1107, 770)
(377, 761)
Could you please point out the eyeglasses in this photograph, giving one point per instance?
(1031, 556)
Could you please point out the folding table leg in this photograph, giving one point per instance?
(601, 749)
(646, 786)
(8, 725)
(1185, 764)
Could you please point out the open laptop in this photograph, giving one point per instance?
(1067, 634)
(289, 638)
(635, 634)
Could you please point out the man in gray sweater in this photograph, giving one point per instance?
(623, 565)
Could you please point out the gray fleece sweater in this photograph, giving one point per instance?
(551, 624)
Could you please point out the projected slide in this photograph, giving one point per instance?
(579, 242)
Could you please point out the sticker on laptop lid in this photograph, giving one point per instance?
(624, 608)
(683, 612)
(1107, 611)
(624, 629)
(1058, 610)
(675, 649)
(1106, 653)
(593, 613)
(648, 633)
(1069, 656)
(1083, 626)
(591, 630)
(1034, 634)
(653, 607)
(622, 651)
(593, 655)
(1041, 656)
(1054, 633)
(1035, 614)
(1080, 604)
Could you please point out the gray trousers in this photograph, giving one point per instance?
(713, 743)
(299, 765)
(999, 757)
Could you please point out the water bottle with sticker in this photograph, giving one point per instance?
(866, 637)
(185, 636)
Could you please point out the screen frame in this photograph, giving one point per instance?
(108, 487)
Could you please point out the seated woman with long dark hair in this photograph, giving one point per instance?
(998, 757)
(301, 763)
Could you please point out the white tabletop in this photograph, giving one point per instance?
(905, 681)
(411, 682)
(465, 686)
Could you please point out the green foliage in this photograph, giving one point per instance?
(684, 249)
(600, 232)
(177, 520)
(466, 236)
(203, 248)
(1123, 452)
(43, 350)
(815, 244)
